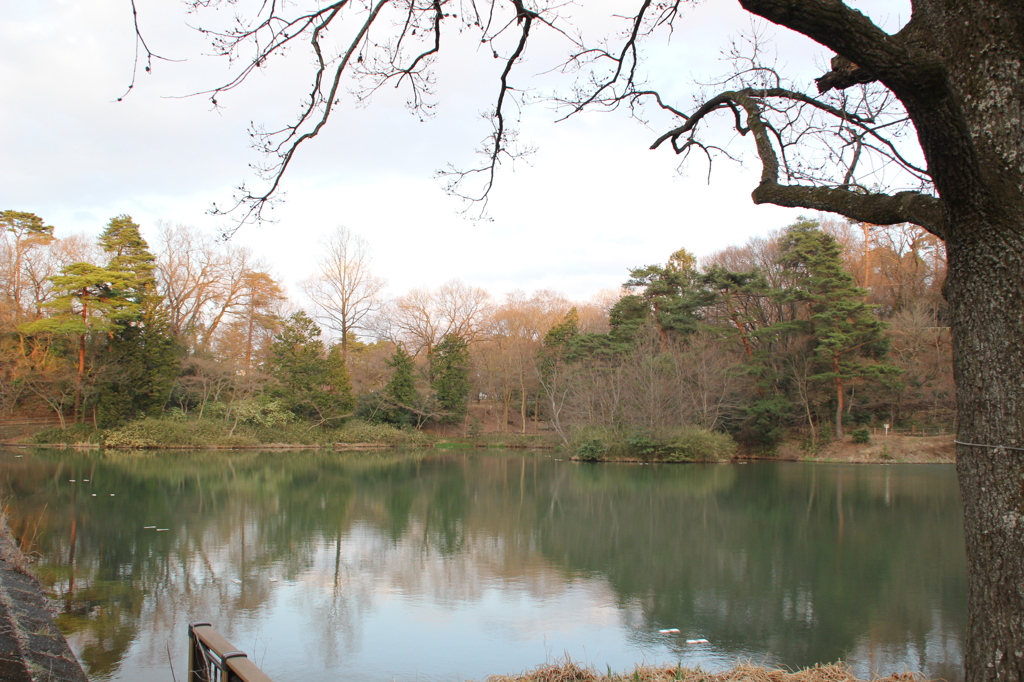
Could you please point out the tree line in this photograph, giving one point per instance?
(814, 328)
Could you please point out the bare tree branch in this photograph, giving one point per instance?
(140, 42)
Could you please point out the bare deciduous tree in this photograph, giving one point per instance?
(203, 282)
(20, 234)
(421, 318)
(921, 348)
(345, 293)
(507, 357)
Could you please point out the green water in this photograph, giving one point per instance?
(452, 566)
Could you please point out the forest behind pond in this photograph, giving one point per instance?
(814, 331)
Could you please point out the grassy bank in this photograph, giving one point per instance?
(571, 672)
(591, 444)
(511, 441)
(177, 432)
(688, 444)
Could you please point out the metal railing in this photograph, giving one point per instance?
(211, 658)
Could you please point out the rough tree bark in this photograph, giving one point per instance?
(957, 68)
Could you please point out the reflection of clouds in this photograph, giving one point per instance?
(193, 581)
(366, 562)
(462, 567)
(938, 656)
(351, 584)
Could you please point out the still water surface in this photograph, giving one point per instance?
(439, 566)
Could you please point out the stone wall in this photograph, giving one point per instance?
(31, 647)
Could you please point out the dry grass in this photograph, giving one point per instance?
(10, 552)
(569, 671)
(893, 448)
(881, 450)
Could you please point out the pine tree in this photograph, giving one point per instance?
(449, 371)
(563, 332)
(671, 294)
(740, 293)
(312, 382)
(845, 332)
(400, 391)
(142, 359)
(560, 341)
(116, 305)
(130, 256)
(87, 300)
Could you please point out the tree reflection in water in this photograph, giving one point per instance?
(395, 565)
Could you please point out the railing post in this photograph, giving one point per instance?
(198, 664)
(229, 673)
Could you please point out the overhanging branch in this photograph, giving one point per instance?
(878, 209)
(849, 33)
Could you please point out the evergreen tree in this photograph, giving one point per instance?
(845, 332)
(400, 391)
(141, 359)
(87, 300)
(735, 290)
(311, 382)
(139, 366)
(130, 256)
(117, 306)
(338, 378)
(560, 339)
(563, 332)
(671, 293)
(741, 295)
(625, 319)
(449, 371)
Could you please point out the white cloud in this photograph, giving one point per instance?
(591, 203)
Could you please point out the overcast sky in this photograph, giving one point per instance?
(592, 201)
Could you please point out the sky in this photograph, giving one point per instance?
(590, 203)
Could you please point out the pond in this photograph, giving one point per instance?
(450, 566)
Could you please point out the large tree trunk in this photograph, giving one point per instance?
(986, 296)
(984, 194)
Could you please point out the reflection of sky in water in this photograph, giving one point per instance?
(941, 653)
(373, 609)
(377, 610)
(455, 570)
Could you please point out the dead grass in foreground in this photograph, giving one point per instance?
(744, 672)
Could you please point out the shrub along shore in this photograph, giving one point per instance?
(180, 433)
(743, 672)
(684, 444)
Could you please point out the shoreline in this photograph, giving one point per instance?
(883, 450)
(186, 435)
(31, 640)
